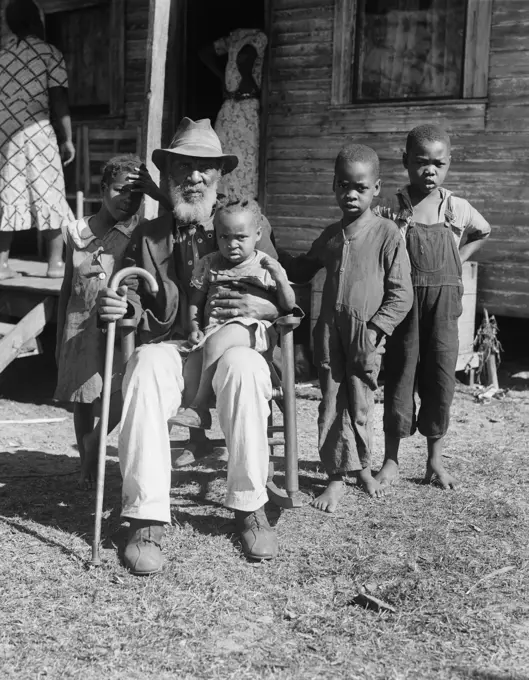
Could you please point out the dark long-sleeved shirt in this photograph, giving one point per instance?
(368, 272)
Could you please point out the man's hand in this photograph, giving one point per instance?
(195, 337)
(113, 304)
(229, 303)
(67, 152)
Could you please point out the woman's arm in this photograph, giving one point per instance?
(60, 115)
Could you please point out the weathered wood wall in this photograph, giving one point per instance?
(490, 164)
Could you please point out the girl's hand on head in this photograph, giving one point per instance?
(195, 337)
(142, 182)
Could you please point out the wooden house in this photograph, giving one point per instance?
(370, 70)
(336, 70)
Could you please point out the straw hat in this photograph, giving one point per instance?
(197, 139)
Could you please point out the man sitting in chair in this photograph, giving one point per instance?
(169, 247)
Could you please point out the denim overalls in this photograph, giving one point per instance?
(423, 349)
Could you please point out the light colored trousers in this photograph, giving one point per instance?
(152, 393)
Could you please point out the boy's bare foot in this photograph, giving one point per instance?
(88, 475)
(193, 417)
(371, 486)
(388, 473)
(437, 474)
(329, 499)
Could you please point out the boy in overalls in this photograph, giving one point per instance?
(423, 350)
(367, 293)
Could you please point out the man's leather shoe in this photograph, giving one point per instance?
(259, 540)
(143, 554)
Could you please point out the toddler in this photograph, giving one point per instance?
(238, 228)
(367, 293)
(441, 232)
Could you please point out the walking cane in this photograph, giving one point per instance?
(105, 406)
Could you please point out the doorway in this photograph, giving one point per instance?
(199, 92)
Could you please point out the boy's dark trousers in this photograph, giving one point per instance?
(422, 352)
(348, 366)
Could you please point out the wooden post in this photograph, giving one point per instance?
(159, 15)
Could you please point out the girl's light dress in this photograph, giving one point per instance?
(90, 264)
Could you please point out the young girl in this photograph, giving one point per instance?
(238, 229)
(441, 232)
(94, 249)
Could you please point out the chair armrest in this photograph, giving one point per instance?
(288, 321)
(123, 323)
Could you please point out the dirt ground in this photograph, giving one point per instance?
(453, 566)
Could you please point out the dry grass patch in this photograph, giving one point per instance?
(434, 556)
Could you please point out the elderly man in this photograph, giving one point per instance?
(169, 247)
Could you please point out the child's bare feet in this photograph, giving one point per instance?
(88, 475)
(371, 486)
(329, 499)
(438, 475)
(388, 473)
(193, 417)
(435, 470)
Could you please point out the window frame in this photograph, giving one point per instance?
(116, 52)
(475, 57)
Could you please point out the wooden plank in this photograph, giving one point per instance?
(468, 115)
(32, 279)
(156, 50)
(265, 107)
(26, 330)
(117, 57)
(477, 47)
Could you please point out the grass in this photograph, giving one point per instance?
(213, 615)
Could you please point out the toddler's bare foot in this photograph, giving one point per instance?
(371, 486)
(193, 417)
(388, 474)
(329, 499)
(88, 475)
(437, 474)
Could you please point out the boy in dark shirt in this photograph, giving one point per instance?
(367, 293)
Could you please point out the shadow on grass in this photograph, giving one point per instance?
(42, 488)
(472, 674)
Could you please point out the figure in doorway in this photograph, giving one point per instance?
(33, 83)
(237, 123)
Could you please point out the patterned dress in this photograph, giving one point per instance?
(237, 123)
(31, 177)
(90, 264)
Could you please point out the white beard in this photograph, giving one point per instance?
(192, 208)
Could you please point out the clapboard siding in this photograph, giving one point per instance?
(490, 164)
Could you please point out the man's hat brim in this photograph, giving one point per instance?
(229, 161)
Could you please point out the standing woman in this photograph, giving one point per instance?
(33, 83)
(237, 123)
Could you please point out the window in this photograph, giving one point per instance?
(410, 50)
(90, 34)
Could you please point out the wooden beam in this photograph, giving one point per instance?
(477, 43)
(343, 51)
(265, 104)
(157, 37)
(117, 57)
(27, 329)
